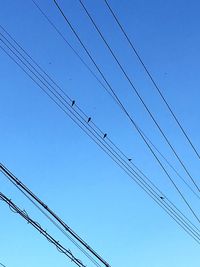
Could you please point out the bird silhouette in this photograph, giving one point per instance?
(89, 119)
(105, 135)
(73, 102)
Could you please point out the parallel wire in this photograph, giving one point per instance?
(69, 45)
(37, 226)
(134, 165)
(14, 180)
(17, 183)
(123, 165)
(63, 102)
(156, 86)
(98, 80)
(126, 112)
(138, 94)
(25, 190)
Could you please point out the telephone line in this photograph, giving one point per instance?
(126, 112)
(174, 216)
(57, 30)
(16, 184)
(36, 225)
(156, 86)
(138, 95)
(69, 45)
(55, 101)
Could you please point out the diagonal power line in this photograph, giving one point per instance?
(100, 82)
(156, 86)
(126, 112)
(37, 226)
(138, 95)
(101, 143)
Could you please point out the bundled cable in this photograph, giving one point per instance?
(37, 226)
(68, 105)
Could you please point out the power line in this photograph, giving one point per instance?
(87, 66)
(37, 226)
(98, 140)
(138, 94)
(89, 118)
(126, 112)
(23, 189)
(156, 86)
(69, 45)
(16, 182)
(59, 105)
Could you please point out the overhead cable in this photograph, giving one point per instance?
(133, 176)
(17, 183)
(89, 119)
(69, 45)
(139, 96)
(156, 86)
(25, 189)
(97, 139)
(127, 114)
(37, 226)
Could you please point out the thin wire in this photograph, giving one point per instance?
(156, 86)
(83, 242)
(137, 182)
(170, 165)
(23, 214)
(69, 45)
(42, 70)
(137, 93)
(43, 89)
(126, 112)
(48, 95)
(87, 66)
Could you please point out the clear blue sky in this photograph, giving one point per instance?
(64, 167)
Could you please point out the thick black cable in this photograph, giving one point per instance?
(25, 191)
(185, 227)
(138, 94)
(156, 86)
(50, 96)
(75, 235)
(126, 112)
(36, 225)
(48, 217)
